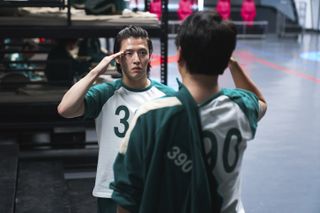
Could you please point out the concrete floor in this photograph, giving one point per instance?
(281, 168)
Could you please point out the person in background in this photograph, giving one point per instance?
(91, 48)
(62, 67)
(113, 104)
(183, 153)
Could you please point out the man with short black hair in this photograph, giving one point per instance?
(183, 153)
(112, 105)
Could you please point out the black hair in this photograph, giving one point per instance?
(135, 32)
(65, 41)
(206, 42)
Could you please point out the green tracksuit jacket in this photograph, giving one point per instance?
(162, 166)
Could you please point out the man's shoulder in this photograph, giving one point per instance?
(115, 85)
(107, 86)
(162, 87)
(248, 102)
(102, 92)
(241, 96)
(164, 104)
(236, 92)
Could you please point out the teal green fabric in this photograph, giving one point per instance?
(155, 175)
(106, 205)
(97, 95)
(148, 180)
(203, 196)
(248, 102)
(163, 88)
(144, 165)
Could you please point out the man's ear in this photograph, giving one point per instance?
(179, 58)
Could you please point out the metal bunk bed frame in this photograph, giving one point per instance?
(70, 31)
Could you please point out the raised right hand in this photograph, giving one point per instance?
(103, 64)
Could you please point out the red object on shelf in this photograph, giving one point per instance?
(42, 40)
(185, 9)
(155, 7)
(224, 8)
(248, 11)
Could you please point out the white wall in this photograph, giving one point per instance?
(316, 13)
(312, 17)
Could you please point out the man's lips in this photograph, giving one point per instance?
(136, 69)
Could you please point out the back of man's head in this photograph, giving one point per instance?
(135, 32)
(206, 43)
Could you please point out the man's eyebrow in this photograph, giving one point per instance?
(131, 49)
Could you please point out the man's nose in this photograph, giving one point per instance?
(135, 57)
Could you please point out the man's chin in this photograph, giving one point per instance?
(139, 75)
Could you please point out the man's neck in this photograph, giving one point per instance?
(141, 84)
(201, 87)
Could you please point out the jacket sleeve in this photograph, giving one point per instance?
(129, 170)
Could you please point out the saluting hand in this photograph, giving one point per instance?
(103, 64)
